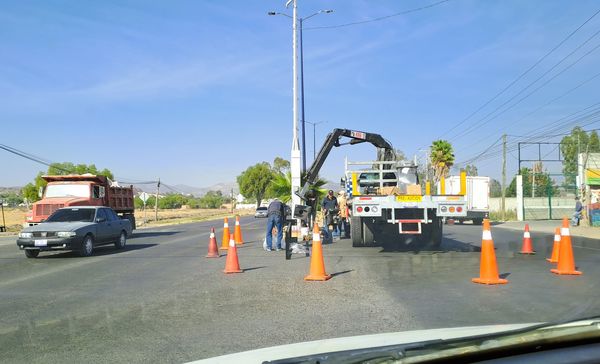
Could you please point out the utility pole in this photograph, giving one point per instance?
(302, 101)
(295, 152)
(504, 177)
(232, 200)
(156, 202)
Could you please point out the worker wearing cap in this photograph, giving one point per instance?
(330, 208)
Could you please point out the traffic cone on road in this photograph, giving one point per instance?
(237, 232)
(526, 248)
(232, 264)
(213, 251)
(566, 261)
(317, 265)
(488, 271)
(555, 247)
(225, 241)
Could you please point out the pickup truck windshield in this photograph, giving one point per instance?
(67, 191)
(66, 215)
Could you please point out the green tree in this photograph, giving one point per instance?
(542, 182)
(172, 201)
(495, 188)
(31, 190)
(570, 145)
(281, 187)
(471, 170)
(212, 200)
(593, 143)
(255, 180)
(442, 158)
(11, 198)
(281, 165)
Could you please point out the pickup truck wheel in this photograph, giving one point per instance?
(87, 246)
(120, 244)
(32, 253)
(356, 232)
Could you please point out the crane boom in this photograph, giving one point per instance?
(385, 151)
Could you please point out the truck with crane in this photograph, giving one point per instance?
(386, 198)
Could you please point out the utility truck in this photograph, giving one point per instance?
(386, 198)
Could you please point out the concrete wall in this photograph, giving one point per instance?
(537, 207)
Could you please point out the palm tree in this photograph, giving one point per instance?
(442, 158)
(281, 186)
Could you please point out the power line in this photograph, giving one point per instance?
(522, 74)
(541, 107)
(379, 18)
(475, 126)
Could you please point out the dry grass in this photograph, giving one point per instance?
(16, 216)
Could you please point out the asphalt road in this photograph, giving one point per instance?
(160, 300)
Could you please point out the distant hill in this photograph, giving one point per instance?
(13, 189)
(224, 187)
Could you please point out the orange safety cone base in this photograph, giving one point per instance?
(317, 278)
(212, 256)
(233, 271)
(572, 273)
(489, 281)
(527, 253)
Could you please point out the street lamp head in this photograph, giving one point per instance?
(271, 13)
(328, 11)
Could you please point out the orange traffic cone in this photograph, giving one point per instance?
(232, 264)
(488, 271)
(213, 251)
(317, 265)
(527, 248)
(237, 232)
(225, 241)
(566, 261)
(555, 247)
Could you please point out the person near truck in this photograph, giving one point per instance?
(343, 205)
(275, 216)
(330, 209)
(578, 211)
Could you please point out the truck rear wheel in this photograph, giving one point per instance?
(367, 232)
(356, 232)
(131, 218)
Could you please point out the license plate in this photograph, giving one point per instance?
(409, 198)
(43, 242)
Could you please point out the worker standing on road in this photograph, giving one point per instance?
(275, 216)
(343, 204)
(577, 214)
(330, 210)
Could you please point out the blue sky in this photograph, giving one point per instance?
(196, 91)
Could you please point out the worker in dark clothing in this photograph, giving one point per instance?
(578, 212)
(330, 209)
(275, 217)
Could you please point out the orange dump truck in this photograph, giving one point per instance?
(81, 190)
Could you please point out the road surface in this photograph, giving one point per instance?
(160, 300)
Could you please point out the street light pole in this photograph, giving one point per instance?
(315, 136)
(295, 152)
(302, 101)
(299, 21)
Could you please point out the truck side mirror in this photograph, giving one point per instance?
(343, 182)
(100, 219)
(40, 191)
